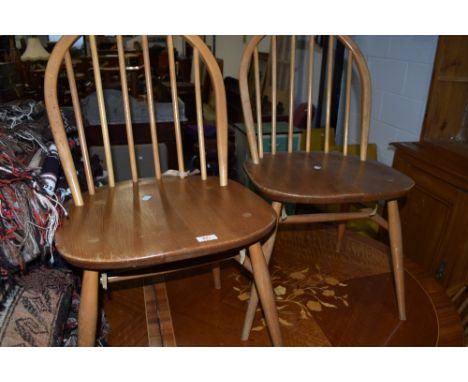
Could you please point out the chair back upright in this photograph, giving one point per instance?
(61, 55)
(354, 58)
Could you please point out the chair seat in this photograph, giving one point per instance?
(153, 222)
(319, 178)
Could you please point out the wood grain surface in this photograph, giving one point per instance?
(210, 317)
(118, 229)
(295, 178)
(435, 212)
(446, 104)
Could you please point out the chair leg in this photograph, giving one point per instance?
(88, 314)
(250, 313)
(396, 245)
(265, 292)
(341, 228)
(216, 270)
(253, 301)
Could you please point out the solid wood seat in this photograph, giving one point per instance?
(320, 178)
(165, 227)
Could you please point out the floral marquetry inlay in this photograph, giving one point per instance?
(299, 292)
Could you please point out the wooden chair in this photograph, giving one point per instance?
(142, 223)
(315, 177)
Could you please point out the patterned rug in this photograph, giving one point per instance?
(36, 308)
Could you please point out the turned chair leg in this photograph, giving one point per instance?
(253, 301)
(265, 291)
(88, 314)
(216, 270)
(250, 313)
(341, 228)
(396, 246)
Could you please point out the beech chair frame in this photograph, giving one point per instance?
(266, 170)
(76, 239)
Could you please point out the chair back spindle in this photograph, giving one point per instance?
(175, 105)
(79, 122)
(274, 85)
(349, 71)
(258, 98)
(102, 110)
(292, 67)
(126, 108)
(151, 112)
(199, 109)
(310, 86)
(328, 93)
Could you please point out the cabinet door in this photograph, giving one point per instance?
(424, 218)
(434, 218)
(456, 247)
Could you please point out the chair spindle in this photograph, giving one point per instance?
(331, 41)
(126, 107)
(258, 103)
(102, 110)
(349, 70)
(175, 105)
(292, 66)
(310, 84)
(151, 112)
(198, 102)
(274, 70)
(79, 123)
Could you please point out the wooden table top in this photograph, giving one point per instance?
(324, 298)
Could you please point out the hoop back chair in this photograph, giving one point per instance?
(320, 177)
(141, 223)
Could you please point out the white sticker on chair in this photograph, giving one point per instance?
(203, 238)
(146, 197)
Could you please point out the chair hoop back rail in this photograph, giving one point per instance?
(61, 53)
(355, 57)
(114, 229)
(319, 177)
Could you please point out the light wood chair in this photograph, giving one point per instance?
(320, 177)
(140, 224)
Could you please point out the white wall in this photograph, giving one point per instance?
(401, 70)
(230, 49)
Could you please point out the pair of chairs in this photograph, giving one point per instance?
(142, 224)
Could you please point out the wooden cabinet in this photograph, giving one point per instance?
(435, 213)
(447, 107)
